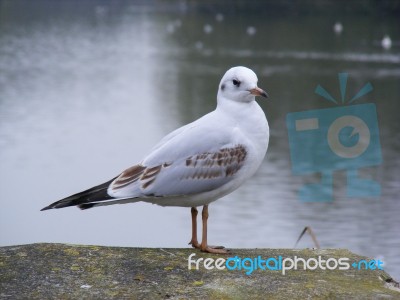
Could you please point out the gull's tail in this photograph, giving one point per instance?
(86, 199)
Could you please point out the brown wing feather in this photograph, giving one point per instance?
(230, 158)
(128, 176)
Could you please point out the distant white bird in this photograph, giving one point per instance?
(386, 42)
(208, 28)
(197, 163)
(338, 28)
(251, 30)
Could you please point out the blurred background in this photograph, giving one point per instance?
(88, 87)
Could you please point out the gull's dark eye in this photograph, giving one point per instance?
(236, 82)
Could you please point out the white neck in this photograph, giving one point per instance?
(236, 108)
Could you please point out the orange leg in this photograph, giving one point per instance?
(194, 242)
(203, 246)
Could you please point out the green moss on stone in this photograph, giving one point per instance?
(58, 271)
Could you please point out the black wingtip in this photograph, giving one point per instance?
(98, 192)
(46, 208)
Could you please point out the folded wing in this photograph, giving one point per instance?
(188, 175)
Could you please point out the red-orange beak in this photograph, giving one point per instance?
(258, 92)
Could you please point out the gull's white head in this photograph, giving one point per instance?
(239, 84)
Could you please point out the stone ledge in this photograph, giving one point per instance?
(60, 271)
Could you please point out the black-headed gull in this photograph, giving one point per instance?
(386, 42)
(197, 163)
